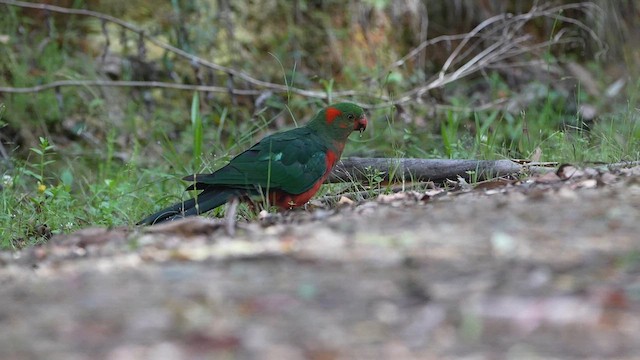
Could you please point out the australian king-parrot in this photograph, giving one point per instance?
(289, 167)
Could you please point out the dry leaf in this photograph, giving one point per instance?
(345, 201)
(548, 178)
(608, 178)
(389, 198)
(434, 192)
(568, 171)
(587, 184)
(537, 155)
(493, 184)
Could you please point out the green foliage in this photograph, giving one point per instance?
(40, 199)
(196, 124)
(374, 177)
(451, 140)
(38, 168)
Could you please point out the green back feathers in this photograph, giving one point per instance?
(291, 161)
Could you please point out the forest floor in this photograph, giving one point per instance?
(547, 267)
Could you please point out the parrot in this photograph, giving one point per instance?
(287, 168)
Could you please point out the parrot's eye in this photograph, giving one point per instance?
(350, 117)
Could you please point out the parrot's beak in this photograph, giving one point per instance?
(360, 124)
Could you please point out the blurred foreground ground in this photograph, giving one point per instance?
(544, 269)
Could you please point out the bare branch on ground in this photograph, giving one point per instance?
(396, 169)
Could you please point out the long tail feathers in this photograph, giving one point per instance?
(205, 201)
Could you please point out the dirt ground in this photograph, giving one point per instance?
(546, 268)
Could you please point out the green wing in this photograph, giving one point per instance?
(291, 161)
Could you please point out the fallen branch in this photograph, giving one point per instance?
(394, 169)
